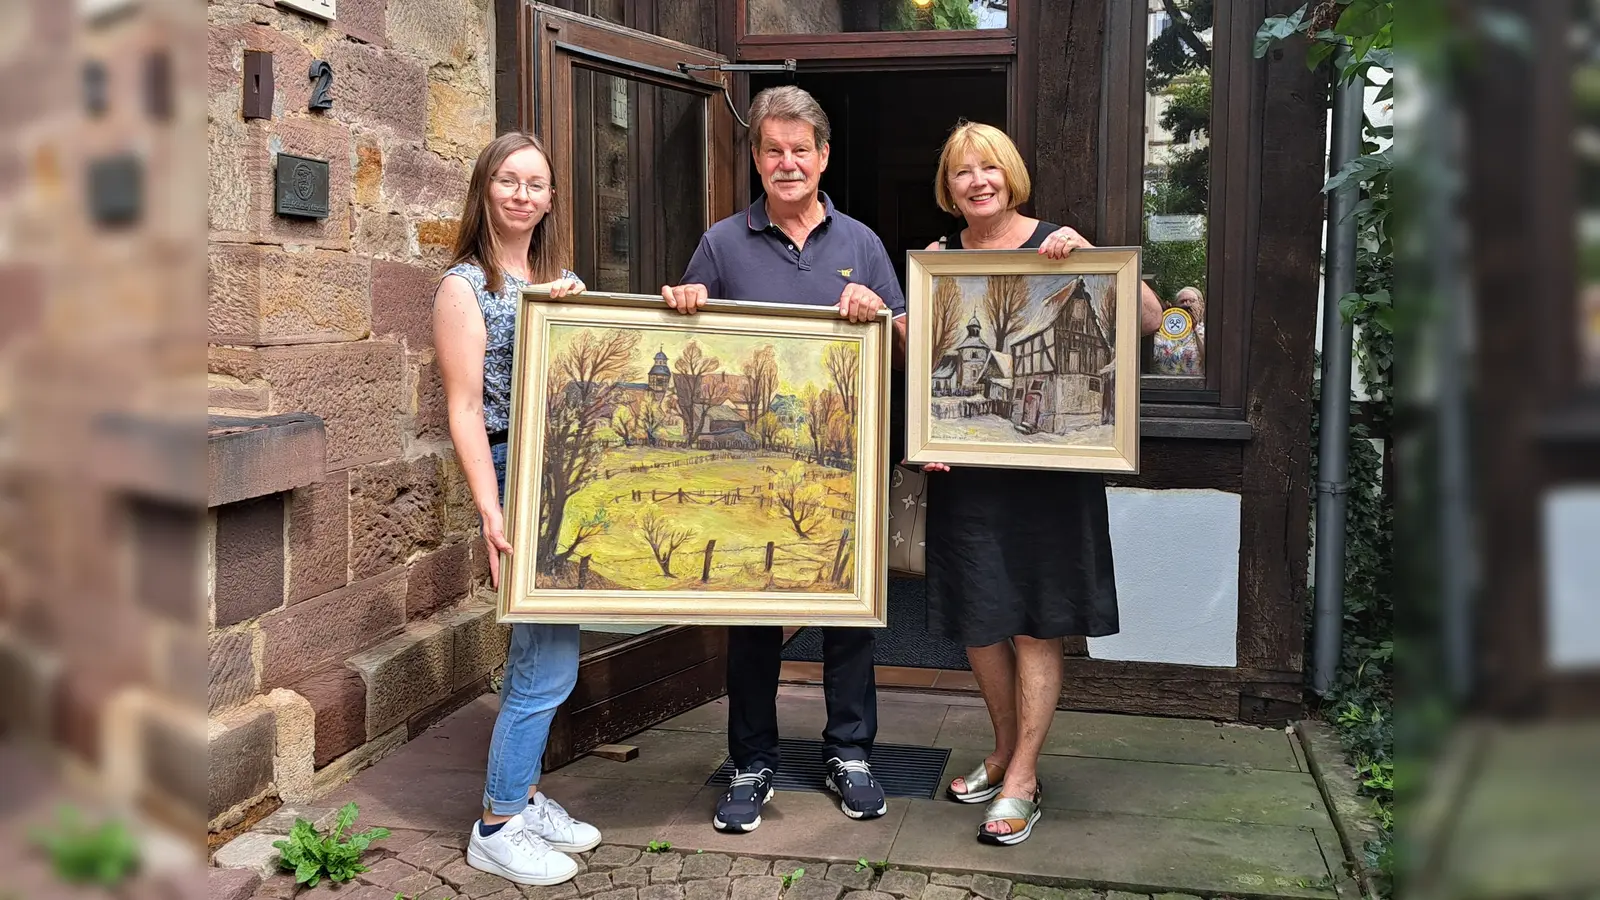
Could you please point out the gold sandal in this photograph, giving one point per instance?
(982, 784)
(1022, 814)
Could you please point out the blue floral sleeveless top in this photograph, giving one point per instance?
(500, 321)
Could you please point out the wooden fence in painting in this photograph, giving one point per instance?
(831, 559)
(967, 409)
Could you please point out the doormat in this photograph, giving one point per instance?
(906, 642)
(901, 770)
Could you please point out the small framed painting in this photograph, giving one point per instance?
(1015, 360)
(725, 468)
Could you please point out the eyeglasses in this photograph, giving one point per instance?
(509, 186)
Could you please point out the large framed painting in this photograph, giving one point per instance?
(1015, 360)
(728, 467)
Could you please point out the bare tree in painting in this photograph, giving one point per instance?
(650, 422)
(841, 435)
(581, 384)
(843, 362)
(1004, 304)
(625, 422)
(663, 538)
(760, 384)
(587, 527)
(798, 500)
(696, 393)
(820, 408)
(946, 317)
(768, 427)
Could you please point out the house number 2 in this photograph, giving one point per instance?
(322, 78)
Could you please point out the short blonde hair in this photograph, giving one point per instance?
(788, 103)
(989, 144)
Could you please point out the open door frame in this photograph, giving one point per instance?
(630, 685)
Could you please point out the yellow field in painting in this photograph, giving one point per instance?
(741, 525)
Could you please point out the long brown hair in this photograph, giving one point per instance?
(476, 241)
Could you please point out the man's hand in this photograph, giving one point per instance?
(686, 298)
(858, 303)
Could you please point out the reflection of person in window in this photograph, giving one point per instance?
(1185, 354)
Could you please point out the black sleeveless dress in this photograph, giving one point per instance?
(1014, 551)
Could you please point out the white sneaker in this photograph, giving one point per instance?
(546, 818)
(519, 855)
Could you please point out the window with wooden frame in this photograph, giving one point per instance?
(877, 29)
(1182, 154)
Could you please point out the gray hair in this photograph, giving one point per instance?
(788, 103)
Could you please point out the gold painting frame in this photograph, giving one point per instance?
(852, 593)
(966, 408)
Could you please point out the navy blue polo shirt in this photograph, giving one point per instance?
(746, 257)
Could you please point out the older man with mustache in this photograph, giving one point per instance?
(793, 246)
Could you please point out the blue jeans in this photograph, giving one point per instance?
(541, 670)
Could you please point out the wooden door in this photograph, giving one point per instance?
(643, 158)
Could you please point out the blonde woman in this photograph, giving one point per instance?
(1016, 560)
(506, 244)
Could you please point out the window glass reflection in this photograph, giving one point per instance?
(1177, 179)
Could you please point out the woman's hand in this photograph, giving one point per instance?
(935, 467)
(494, 536)
(1063, 241)
(565, 287)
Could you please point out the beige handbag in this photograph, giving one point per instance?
(908, 513)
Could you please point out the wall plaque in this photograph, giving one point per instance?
(302, 187)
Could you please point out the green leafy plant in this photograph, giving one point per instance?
(792, 877)
(878, 867)
(103, 854)
(658, 847)
(313, 856)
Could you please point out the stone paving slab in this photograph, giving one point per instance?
(1133, 803)
(434, 782)
(1144, 738)
(683, 757)
(626, 812)
(1214, 793)
(901, 720)
(1122, 851)
(1526, 823)
(793, 822)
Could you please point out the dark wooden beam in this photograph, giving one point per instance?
(1274, 539)
(1066, 163)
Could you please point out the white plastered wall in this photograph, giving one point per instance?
(1177, 564)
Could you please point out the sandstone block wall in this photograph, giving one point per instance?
(341, 611)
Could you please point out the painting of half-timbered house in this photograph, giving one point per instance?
(1059, 381)
(1031, 363)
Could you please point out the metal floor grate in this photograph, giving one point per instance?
(902, 770)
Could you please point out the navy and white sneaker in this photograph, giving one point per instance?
(860, 797)
(739, 807)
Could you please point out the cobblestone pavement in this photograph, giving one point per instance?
(424, 866)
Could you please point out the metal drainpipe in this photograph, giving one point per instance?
(1333, 481)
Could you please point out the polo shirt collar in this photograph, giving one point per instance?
(756, 216)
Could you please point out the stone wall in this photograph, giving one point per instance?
(341, 609)
(101, 655)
